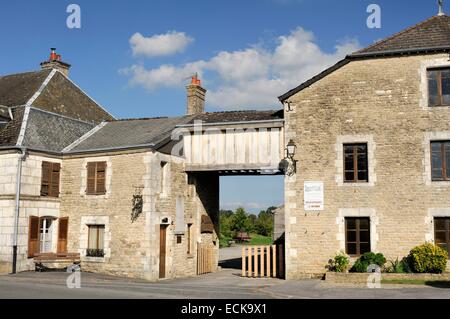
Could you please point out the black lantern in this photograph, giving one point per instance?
(290, 149)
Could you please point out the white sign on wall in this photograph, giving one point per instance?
(313, 196)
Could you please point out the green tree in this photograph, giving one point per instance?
(264, 223)
(240, 221)
(225, 221)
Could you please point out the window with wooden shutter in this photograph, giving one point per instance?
(33, 236)
(62, 234)
(96, 178)
(50, 179)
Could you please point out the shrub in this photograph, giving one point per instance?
(368, 259)
(399, 266)
(340, 263)
(428, 258)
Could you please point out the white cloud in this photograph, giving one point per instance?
(251, 78)
(160, 44)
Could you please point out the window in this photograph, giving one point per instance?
(189, 239)
(440, 161)
(96, 174)
(357, 235)
(96, 241)
(50, 179)
(355, 163)
(439, 87)
(442, 232)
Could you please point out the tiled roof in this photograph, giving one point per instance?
(429, 36)
(431, 33)
(9, 132)
(58, 95)
(17, 89)
(239, 116)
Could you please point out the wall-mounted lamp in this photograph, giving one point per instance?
(290, 149)
(289, 164)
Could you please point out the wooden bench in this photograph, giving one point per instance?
(52, 258)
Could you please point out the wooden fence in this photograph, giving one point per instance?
(205, 259)
(262, 261)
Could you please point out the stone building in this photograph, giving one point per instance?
(375, 130)
(140, 197)
(127, 195)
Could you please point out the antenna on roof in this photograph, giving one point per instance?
(441, 7)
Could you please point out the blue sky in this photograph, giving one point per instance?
(247, 52)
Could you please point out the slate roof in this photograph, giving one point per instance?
(52, 132)
(129, 133)
(431, 33)
(429, 36)
(156, 132)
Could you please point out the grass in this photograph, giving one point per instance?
(432, 283)
(260, 240)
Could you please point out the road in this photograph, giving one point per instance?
(224, 284)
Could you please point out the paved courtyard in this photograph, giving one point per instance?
(224, 284)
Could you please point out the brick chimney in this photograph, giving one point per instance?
(195, 96)
(54, 62)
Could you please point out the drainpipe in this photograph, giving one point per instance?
(23, 154)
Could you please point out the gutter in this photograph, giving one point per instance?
(22, 157)
(106, 149)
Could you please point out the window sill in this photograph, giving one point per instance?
(438, 106)
(359, 184)
(440, 183)
(93, 259)
(190, 256)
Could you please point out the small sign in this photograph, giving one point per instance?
(313, 196)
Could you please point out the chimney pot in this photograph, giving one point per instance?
(55, 62)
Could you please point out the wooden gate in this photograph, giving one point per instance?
(263, 261)
(205, 259)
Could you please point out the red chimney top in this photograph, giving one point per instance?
(195, 80)
(54, 56)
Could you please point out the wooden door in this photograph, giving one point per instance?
(33, 236)
(62, 235)
(162, 251)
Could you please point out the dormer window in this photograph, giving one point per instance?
(438, 87)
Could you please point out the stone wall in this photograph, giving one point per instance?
(132, 248)
(382, 102)
(31, 204)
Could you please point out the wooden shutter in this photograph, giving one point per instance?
(91, 172)
(62, 234)
(101, 176)
(33, 236)
(45, 179)
(54, 185)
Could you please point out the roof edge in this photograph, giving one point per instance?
(361, 56)
(108, 149)
(84, 137)
(82, 91)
